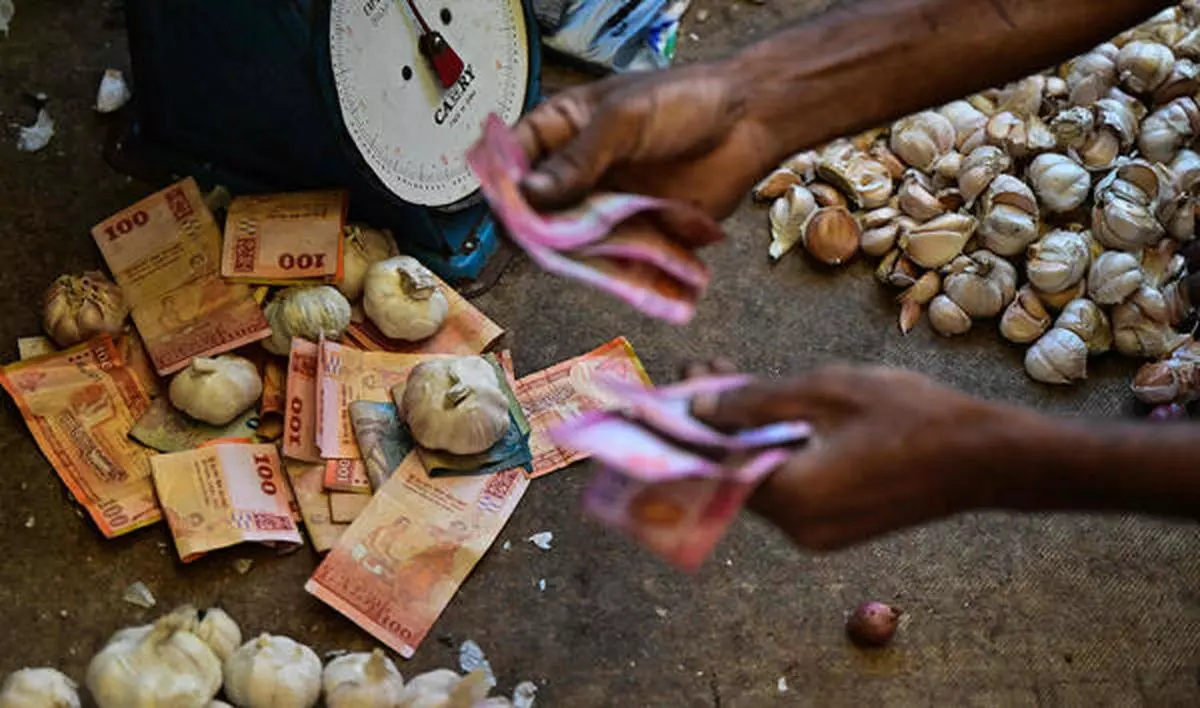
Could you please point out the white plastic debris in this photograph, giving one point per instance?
(7, 10)
(113, 92)
(542, 585)
(37, 136)
(783, 687)
(507, 545)
(470, 658)
(524, 694)
(138, 594)
(542, 540)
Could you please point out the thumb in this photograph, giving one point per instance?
(760, 403)
(570, 173)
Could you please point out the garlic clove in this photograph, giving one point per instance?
(878, 241)
(897, 270)
(1055, 302)
(1161, 263)
(914, 298)
(1168, 129)
(789, 215)
(1061, 184)
(832, 235)
(1009, 132)
(1140, 327)
(776, 184)
(916, 197)
(1073, 127)
(1023, 98)
(1183, 81)
(826, 195)
(947, 318)
(1143, 66)
(1113, 276)
(1059, 260)
(922, 138)
(876, 218)
(1009, 216)
(937, 241)
(964, 118)
(979, 168)
(1025, 319)
(1058, 357)
(881, 153)
(866, 182)
(803, 164)
(1087, 320)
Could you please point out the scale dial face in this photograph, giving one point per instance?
(412, 133)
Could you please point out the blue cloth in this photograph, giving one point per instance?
(619, 35)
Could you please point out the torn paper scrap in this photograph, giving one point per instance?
(37, 136)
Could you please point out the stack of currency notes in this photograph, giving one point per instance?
(285, 239)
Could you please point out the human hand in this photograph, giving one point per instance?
(890, 449)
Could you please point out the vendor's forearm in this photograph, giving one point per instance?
(872, 61)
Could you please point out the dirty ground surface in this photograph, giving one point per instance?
(1002, 610)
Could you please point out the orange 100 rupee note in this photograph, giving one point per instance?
(300, 415)
(347, 476)
(465, 331)
(165, 253)
(285, 239)
(308, 486)
(565, 391)
(402, 560)
(80, 404)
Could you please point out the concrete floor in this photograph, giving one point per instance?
(1057, 611)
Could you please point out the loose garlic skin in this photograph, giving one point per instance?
(1114, 276)
(215, 391)
(273, 671)
(39, 688)
(1088, 321)
(1143, 66)
(1058, 357)
(1060, 183)
(404, 299)
(362, 680)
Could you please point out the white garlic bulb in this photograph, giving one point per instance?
(1114, 276)
(1183, 81)
(967, 120)
(789, 217)
(1092, 75)
(1144, 66)
(443, 688)
(362, 680)
(216, 391)
(1165, 131)
(1025, 319)
(1177, 203)
(1059, 357)
(920, 139)
(219, 632)
(39, 688)
(79, 307)
(1073, 127)
(404, 299)
(916, 197)
(1009, 216)
(455, 404)
(1088, 321)
(982, 284)
(1123, 216)
(163, 664)
(1141, 326)
(1117, 119)
(936, 242)
(364, 247)
(273, 671)
(947, 318)
(1058, 261)
(1061, 183)
(307, 312)
(979, 168)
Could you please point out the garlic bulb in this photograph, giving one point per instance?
(1092, 75)
(1141, 326)
(880, 229)
(922, 138)
(1009, 216)
(1124, 213)
(38, 688)
(1164, 27)
(776, 184)
(1025, 319)
(364, 247)
(1183, 81)
(1162, 264)
(308, 312)
(913, 299)
(1114, 276)
(832, 235)
(219, 632)
(981, 284)
(1059, 357)
(443, 688)
(163, 664)
(938, 241)
(362, 680)
(1144, 66)
(1073, 127)
(865, 181)
(404, 299)
(1022, 98)
(1177, 203)
(1118, 116)
(273, 671)
(1165, 131)
(79, 307)
(216, 391)
(897, 270)
(1058, 261)
(789, 216)
(979, 168)
(1061, 183)
(455, 404)
(916, 197)
(1055, 302)
(1088, 321)
(1173, 380)
(947, 318)
(968, 123)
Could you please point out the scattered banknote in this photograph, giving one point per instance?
(165, 429)
(308, 486)
(79, 404)
(382, 440)
(567, 390)
(347, 476)
(33, 347)
(398, 565)
(465, 331)
(221, 495)
(609, 242)
(285, 239)
(133, 351)
(274, 400)
(300, 416)
(344, 507)
(165, 253)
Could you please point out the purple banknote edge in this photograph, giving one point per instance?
(688, 273)
(572, 435)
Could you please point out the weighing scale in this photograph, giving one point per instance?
(382, 97)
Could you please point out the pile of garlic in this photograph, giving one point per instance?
(1057, 204)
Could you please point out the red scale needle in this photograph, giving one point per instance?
(446, 62)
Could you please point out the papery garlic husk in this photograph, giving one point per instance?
(39, 688)
(803, 164)
(1088, 321)
(863, 180)
(1055, 302)
(79, 307)
(162, 664)
(789, 215)
(1025, 319)
(455, 404)
(1172, 380)
(1058, 260)
(1113, 276)
(1141, 326)
(1009, 132)
(922, 138)
(1123, 216)
(308, 312)
(1008, 217)
(967, 121)
(404, 299)
(364, 247)
(1165, 131)
(947, 318)
(937, 242)
(113, 92)
(881, 153)
(1073, 127)
(1061, 184)
(776, 184)
(1143, 66)
(1161, 264)
(273, 671)
(1092, 75)
(219, 632)
(979, 168)
(1058, 357)
(982, 284)
(878, 241)
(1023, 98)
(916, 197)
(217, 390)
(897, 270)
(913, 299)
(362, 680)
(1183, 81)
(832, 235)
(1188, 46)
(1118, 117)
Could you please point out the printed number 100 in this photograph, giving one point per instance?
(126, 224)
